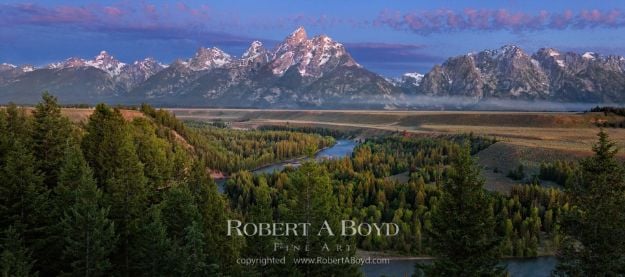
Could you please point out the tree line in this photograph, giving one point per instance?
(229, 150)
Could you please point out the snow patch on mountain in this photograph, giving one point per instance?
(27, 68)
(589, 56)
(107, 63)
(5, 66)
(209, 58)
(312, 57)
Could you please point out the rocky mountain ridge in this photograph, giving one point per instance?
(299, 72)
(318, 72)
(511, 73)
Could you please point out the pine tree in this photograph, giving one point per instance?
(153, 152)
(5, 140)
(223, 250)
(195, 260)
(89, 235)
(178, 211)
(261, 211)
(463, 225)
(315, 203)
(19, 125)
(154, 253)
(15, 258)
(595, 227)
(23, 197)
(50, 134)
(73, 172)
(109, 150)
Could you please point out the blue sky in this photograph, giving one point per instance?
(387, 37)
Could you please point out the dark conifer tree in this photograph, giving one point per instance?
(88, 233)
(15, 258)
(195, 261)
(24, 199)
(595, 227)
(212, 207)
(109, 150)
(314, 203)
(153, 152)
(154, 253)
(50, 133)
(463, 224)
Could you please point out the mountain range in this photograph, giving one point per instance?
(317, 72)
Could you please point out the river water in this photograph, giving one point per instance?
(342, 148)
(534, 267)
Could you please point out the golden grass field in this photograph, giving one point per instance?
(527, 138)
(78, 115)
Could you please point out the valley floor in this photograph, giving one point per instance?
(526, 138)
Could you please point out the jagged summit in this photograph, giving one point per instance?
(209, 58)
(312, 57)
(297, 36)
(103, 55)
(106, 62)
(255, 56)
(256, 48)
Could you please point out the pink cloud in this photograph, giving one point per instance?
(426, 22)
(137, 15)
(60, 14)
(113, 11)
(561, 21)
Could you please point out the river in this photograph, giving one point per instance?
(535, 267)
(342, 148)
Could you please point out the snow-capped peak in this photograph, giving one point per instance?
(413, 78)
(298, 36)
(27, 68)
(209, 58)
(103, 55)
(107, 63)
(552, 52)
(509, 48)
(68, 63)
(149, 61)
(589, 55)
(7, 66)
(102, 61)
(313, 57)
(255, 49)
(507, 51)
(415, 75)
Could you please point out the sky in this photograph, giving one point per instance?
(387, 37)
